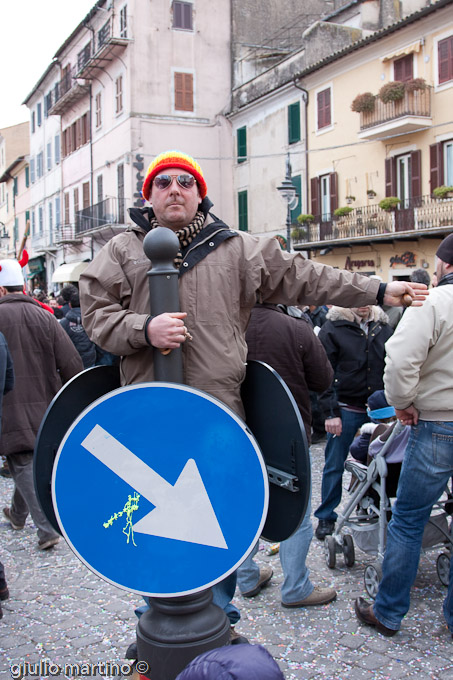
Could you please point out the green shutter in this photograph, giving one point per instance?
(242, 210)
(297, 181)
(241, 136)
(294, 123)
(27, 176)
(16, 230)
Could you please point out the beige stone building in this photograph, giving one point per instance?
(401, 146)
(341, 159)
(14, 182)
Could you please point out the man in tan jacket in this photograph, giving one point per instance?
(222, 273)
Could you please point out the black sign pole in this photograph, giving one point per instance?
(175, 629)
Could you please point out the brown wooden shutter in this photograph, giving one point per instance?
(79, 140)
(76, 201)
(86, 194)
(315, 198)
(436, 163)
(66, 208)
(324, 112)
(445, 59)
(184, 91)
(403, 69)
(416, 179)
(390, 177)
(333, 191)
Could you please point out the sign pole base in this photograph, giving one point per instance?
(176, 630)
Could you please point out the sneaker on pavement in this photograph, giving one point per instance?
(14, 525)
(49, 543)
(317, 597)
(236, 638)
(325, 527)
(265, 576)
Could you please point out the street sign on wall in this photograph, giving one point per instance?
(160, 489)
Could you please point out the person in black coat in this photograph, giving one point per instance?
(72, 324)
(354, 340)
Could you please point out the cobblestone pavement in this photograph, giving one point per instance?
(60, 611)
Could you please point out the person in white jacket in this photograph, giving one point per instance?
(418, 382)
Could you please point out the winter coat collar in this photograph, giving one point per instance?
(209, 238)
(345, 314)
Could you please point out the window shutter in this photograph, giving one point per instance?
(403, 69)
(27, 176)
(297, 182)
(324, 112)
(242, 211)
(436, 163)
(333, 191)
(187, 16)
(390, 177)
(66, 208)
(184, 91)
(416, 179)
(445, 59)
(294, 123)
(86, 194)
(315, 197)
(76, 201)
(241, 138)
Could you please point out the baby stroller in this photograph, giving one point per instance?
(368, 512)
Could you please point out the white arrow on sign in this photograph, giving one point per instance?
(183, 511)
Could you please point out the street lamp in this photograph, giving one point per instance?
(288, 192)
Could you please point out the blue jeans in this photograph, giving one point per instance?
(222, 594)
(336, 452)
(426, 470)
(293, 553)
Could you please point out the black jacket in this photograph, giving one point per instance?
(72, 323)
(357, 358)
(290, 346)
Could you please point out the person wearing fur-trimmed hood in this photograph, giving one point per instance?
(354, 340)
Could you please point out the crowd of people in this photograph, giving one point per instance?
(326, 331)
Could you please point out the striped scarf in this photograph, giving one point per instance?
(185, 235)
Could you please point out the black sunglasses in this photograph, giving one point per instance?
(164, 181)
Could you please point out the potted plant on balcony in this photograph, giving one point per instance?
(443, 192)
(350, 199)
(389, 203)
(364, 103)
(416, 85)
(343, 211)
(300, 233)
(371, 193)
(392, 92)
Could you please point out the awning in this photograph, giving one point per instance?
(409, 49)
(69, 272)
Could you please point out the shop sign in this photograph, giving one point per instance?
(358, 264)
(407, 258)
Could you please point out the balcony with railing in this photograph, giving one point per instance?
(420, 216)
(94, 218)
(101, 51)
(67, 92)
(410, 113)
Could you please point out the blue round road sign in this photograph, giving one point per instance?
(160, 489)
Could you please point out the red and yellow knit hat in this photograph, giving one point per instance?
(174, 159)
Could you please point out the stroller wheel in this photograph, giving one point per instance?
(443, 568)
(348, 550)
(330, 551)
(372, 578)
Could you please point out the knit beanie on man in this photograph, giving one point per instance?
(174, 159)
(445, 250)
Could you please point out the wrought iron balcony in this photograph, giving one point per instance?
(108, 212)
(104, 48)
(411, 112)
(419, 214)
(67, 92)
